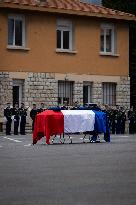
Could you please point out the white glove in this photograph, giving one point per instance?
(12, 117)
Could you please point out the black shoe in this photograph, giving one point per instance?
(97, 141)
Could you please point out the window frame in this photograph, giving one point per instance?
(65, 92)
(64, 25)
(105, 27)
(22, 18)
(87, 84)
(106, 98)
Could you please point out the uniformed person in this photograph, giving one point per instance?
(33, 114)
(113, 120)
(110, 111)
(8, 115)
(65, 105)
(123, 120)
(76, 106)
(118, 120)
(107, 110)
(23, 114)
(132, 119)
(41, 109)
(16, 118)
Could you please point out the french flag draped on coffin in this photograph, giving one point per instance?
(51, 122)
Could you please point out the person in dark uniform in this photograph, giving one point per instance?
(23, 114)
(109, 118)
(95, 107)
(113, 120)
(33, 114)
(76, 106)
(123, 120)
(132, 119)
(41, 109)
(118, 122)
(65, 105)
(16, 118)
(8, 115)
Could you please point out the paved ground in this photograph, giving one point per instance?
(76, 174)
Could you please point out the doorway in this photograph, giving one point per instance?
(15, 95)
(17, 91)
(87, 88)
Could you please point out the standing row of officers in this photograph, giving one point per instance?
(116, 116)
(18, 116)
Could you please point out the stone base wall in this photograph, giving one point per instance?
(6, 86)
(37, 88)
(78, 92)
(97, 92)
(123, 92)
(43, 87)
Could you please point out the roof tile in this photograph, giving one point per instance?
(70, 5)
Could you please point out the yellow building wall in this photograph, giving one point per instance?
(41, 55)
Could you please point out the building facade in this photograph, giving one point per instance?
(56, 51)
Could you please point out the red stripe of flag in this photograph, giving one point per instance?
(48, 123)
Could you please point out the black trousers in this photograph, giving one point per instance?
(118, 127)
(33, 125)
(123, 127)
(22, 125)
(113, 127)
(8, 126)
(16, 124)
(131, 127)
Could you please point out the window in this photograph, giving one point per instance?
(64, 35)
(87, 88)
(16, 30)
(107, 39)
(109, 93)
(65, 92)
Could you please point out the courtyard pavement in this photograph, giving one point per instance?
(67, 174)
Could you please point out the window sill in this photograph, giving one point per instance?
(65, 51)
(18, 48)
(109, 54)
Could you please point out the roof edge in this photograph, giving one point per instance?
(65, 11)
